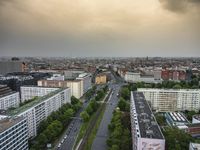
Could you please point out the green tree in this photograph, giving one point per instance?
(122, 104)
(177, 139)
(125, 93)
(89, 109)
(74, 100)
(114, 147)
(177, 86)
(42, 139)
(84, 115)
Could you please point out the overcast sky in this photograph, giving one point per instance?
(100, 28)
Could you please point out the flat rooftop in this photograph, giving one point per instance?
(27, 106)
(147, 124)
(169, 90)
(177, 117)
(6, 123)
(37, 86)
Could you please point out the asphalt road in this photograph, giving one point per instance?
(71, 132)
(102, 133)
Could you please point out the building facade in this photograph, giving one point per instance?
(29, 92)
(13, 134)
(8, 98)
(133, 77)
(41, 108)
(146, 133)
(164, 100)
(86, 81)
(101, 79)
(11, 66)
(74, 85)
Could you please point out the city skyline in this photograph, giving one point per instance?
(111, 28)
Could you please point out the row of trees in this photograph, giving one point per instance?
(193, 84)
(120, 126)
(119, 132)
(124, 100)
(90, 92)
(50, 128)
(91, 108)
(93, 105)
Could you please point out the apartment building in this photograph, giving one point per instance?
(86, 81)
(13, 134)
(134, 77)
(41, 108)
(29, 92)
(101, 78)
(146, 133)
(74, 85)
(164, 100)
(8, 98)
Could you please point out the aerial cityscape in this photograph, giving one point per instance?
(100, 75)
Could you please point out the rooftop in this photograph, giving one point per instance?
(169, 90)
(25, 107)
(177, 117)
(37, 86)
(195, 146)
(6, 123)
(147, 123)
(197, 117)
(5, 91)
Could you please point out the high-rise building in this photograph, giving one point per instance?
(146, 133)
(13, 134)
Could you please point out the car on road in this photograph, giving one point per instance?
(62, 141)
(59, 145)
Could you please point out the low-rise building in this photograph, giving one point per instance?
(176, 119)
(146, 133)
(196, 119)
(13, 134)
(194, 146)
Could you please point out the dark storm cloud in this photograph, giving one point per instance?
(180, 6)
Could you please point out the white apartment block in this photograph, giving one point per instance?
(29, 92)
(86, 81)
(9, 100)
(146, 133)
(41, 108)
(13, 134)
(76, 86)
(164, 100)
(133, 77)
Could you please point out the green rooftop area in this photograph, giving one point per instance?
(38, 100)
